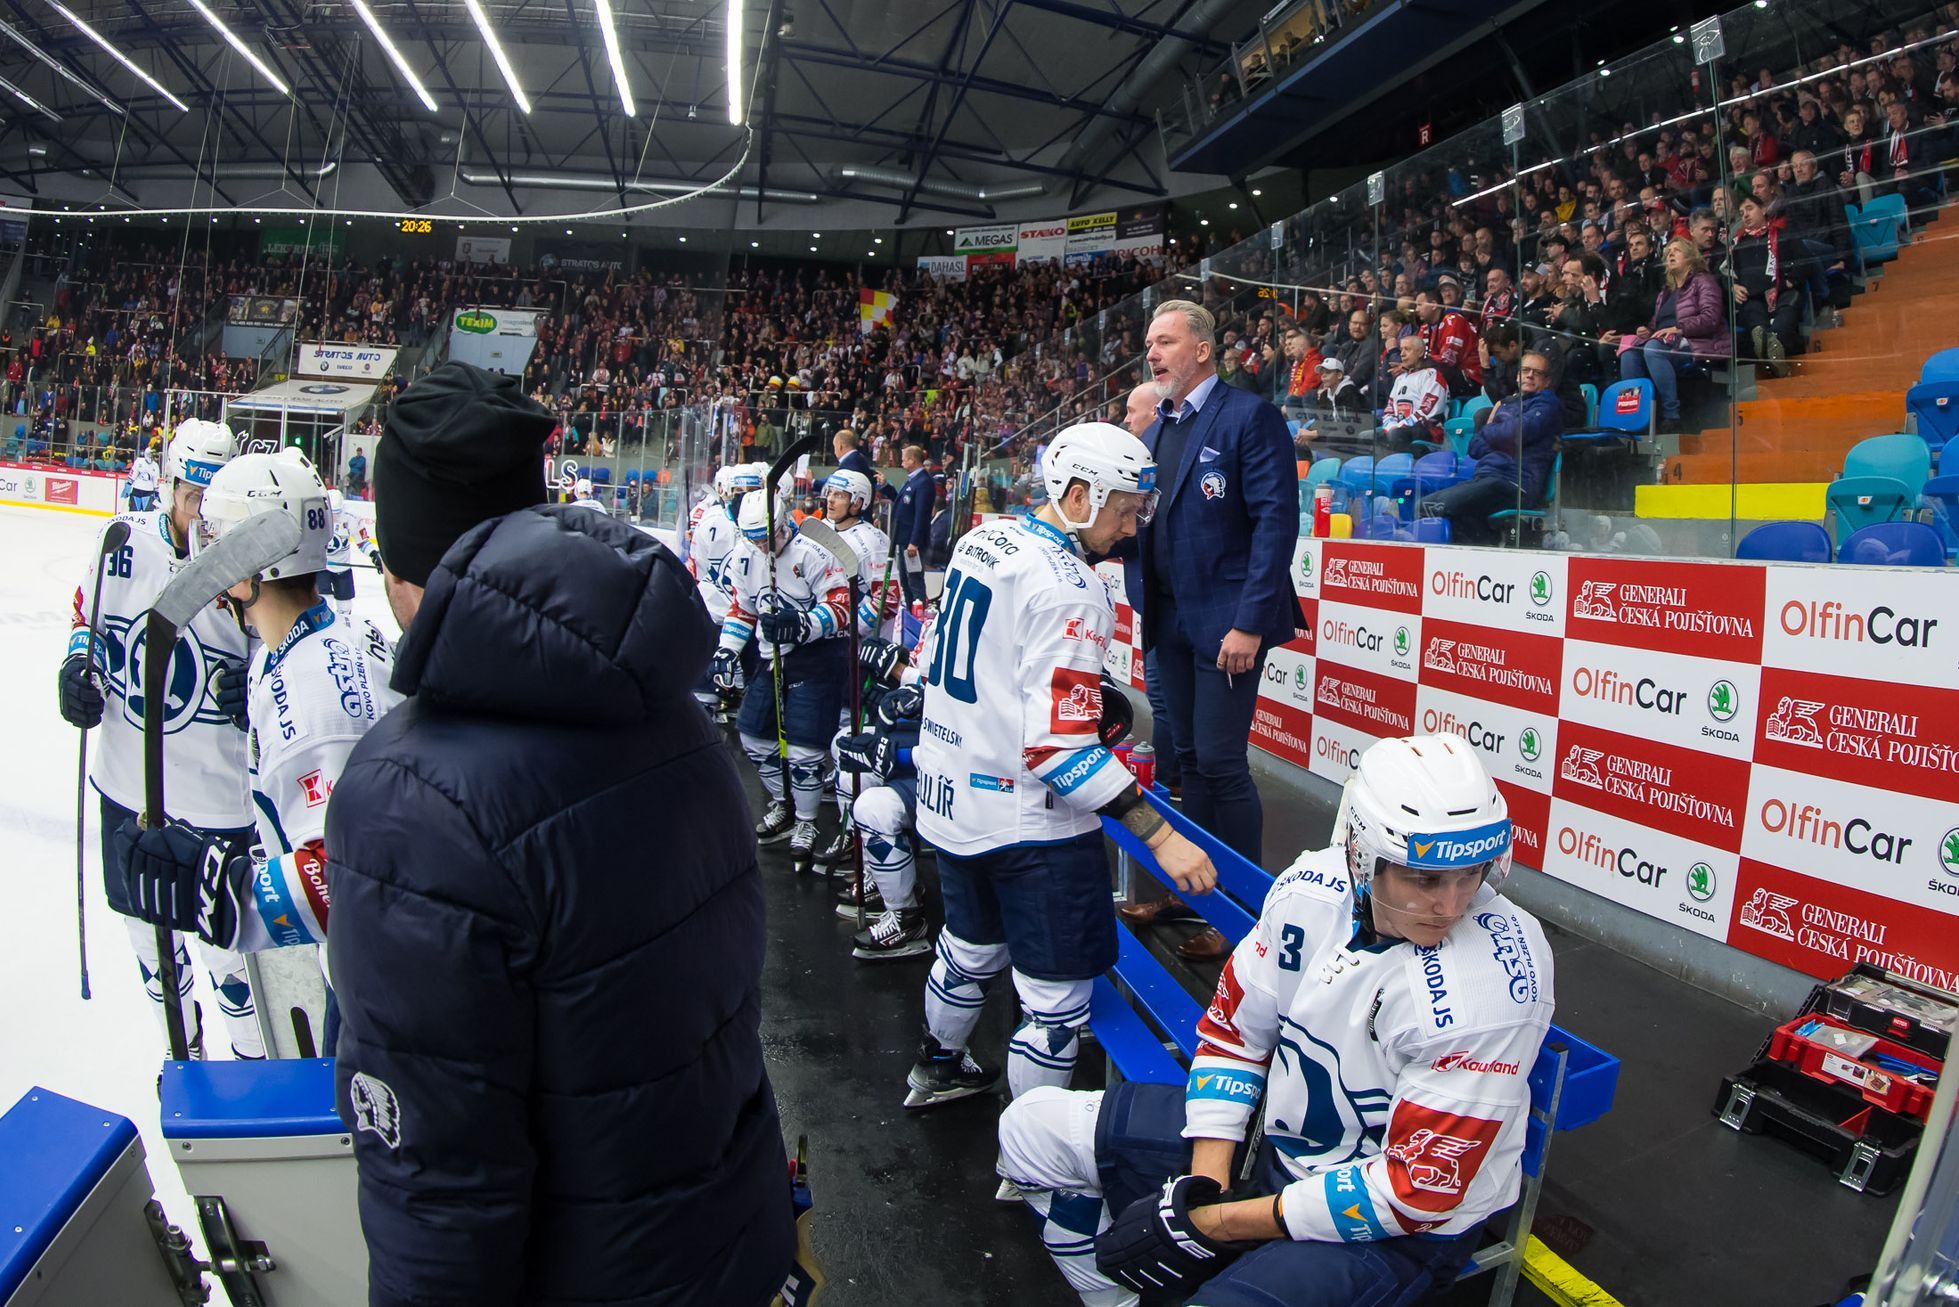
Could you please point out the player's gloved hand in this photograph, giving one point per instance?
(1118, 714)
(81, 694)
(881, 658)
(182, 878)
(1153, 1248)
(904, 705)
(872, 754)
(228, 690)
(726, 670)
(787, 626)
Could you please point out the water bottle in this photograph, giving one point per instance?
(1142, 761)
(1322, 511)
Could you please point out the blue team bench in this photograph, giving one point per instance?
(1146, 1023)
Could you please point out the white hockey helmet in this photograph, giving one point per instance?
(854, 484)
(744, 477)
(334, 500)
(724, 480)
(581, 488)
(196, 451)
(753, 520)
(1425, 803)
(1107, 459)
(284, 482)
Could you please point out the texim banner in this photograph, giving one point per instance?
(1766, 755)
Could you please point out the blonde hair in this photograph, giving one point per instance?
(1202, 324)
(1695, 264)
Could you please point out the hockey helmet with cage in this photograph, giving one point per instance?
(196, 451)
(284, 482)
(854, 484)
(1106, 459)
(1424, 803)
(753, 520)
(744, 477)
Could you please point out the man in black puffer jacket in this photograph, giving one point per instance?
(549, 1050)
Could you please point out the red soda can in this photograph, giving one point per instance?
(1142, 761)
(1121, 751)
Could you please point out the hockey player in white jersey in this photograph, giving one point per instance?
(317, 684)
(846, 495)
(1013, 780)
(338, 574)
(786, 595)
(712, 537)
(1386, 1008)
(143, 473)
(204, 713)
(582, 495)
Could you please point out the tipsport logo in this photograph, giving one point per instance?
(1459, 848)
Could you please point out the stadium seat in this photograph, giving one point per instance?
(1431, 472)
(1590, 392)
(1786, 542)
(1906, 458)
(1433, 530)
(1323, 471)
(1936, 406)
(1624, 408)
(601, 476)
(1517, 518)
(1942, 366)
(1475, 404)
(1858, 502)
(1356, 478)
(1458, 431)
(1880, 228)
(1894, 544)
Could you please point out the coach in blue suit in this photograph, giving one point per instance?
(1217, 563)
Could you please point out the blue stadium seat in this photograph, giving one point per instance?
(1322, 471)
(1881, 227)
(1942, 366)
(1535, 516)
(1786, 542)
(1936, 406)
(1905, 457)
(1941, 495)
(602, 476)
(1858, 502)
(1433, 530)
(1590, 392)
(1894, 544)
(1432, 472)
(1624, 409)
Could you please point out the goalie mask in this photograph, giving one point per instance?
(1426, 827)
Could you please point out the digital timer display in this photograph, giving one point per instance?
(417, 226)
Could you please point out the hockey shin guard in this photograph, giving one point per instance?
(1042, 1051)
(956, 990)
(768, 767)
(806, 779)
(881, 818)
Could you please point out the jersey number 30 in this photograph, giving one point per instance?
(955, 644)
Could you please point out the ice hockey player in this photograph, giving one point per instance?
(790, 597)
(845, 497)
(876, 780)
(318, 682)
(339, 570)
(711, 539)
(143, 479)
(1013, 779)
(582, 497)
(1386, 1007)
(204, 714)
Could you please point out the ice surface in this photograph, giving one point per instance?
(105, 1052)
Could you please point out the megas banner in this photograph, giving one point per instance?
(1764, 754)
(998, 239)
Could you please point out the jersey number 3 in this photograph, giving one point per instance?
(955, 644)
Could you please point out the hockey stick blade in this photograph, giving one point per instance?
(239, 555)
(819, 532)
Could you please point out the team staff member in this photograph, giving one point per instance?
(911, 521)
(1217, 558)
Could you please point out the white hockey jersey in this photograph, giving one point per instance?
(340, 548)
(1418, 398)
(312, 698)
(204, 753)
(873, 550)
(1394, 1076)
(807, 579)
(143, 474)
(1009, 752)
(714, 537)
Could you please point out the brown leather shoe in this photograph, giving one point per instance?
(1148, 914)
(1207, 945)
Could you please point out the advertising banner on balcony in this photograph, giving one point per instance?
(1044, 241)
(1762, 754)
(946, 267)
(341, 362)
(498, 339)
(482, 249)
(999, 238)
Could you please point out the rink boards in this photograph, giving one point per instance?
(1764, 754)
(65, 490)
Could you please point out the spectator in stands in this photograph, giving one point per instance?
(357, 475)
(1767, 298)
(1580, 315)
(1358, 357)
(1688, 326)
(1450, 337)
(1419, 402)
(1501, 347)
(1513, 452)
(1813, 223)
(1499, 298)
(1862, 159)
(1294, 385)
(1813, 132)
(911, 521)
(850, 454)
(1635, 286)
(1909, 164)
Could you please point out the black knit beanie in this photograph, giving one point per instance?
(459, 447)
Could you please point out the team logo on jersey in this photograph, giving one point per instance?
(184, 676)
(316, 789)
(1212, 484)
(1077, 697)
(1433, 1156)
(376, 1109)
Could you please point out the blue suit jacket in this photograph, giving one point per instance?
(1232, 511)
(911, 520)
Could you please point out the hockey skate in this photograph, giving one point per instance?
(898, 933)
(802, 846)
(944, 1075)
(847, 899)
(837, 850)
(776, 823)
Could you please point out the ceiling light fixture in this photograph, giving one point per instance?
(394, 54)
(74, 21)
(14, 35)
(244, 51)
(496, 52)
(613, 57)
(735, 114)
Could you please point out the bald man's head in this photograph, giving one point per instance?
(1140, 411)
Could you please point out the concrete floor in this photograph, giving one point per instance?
(1657, 1202)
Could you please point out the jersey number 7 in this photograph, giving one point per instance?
(955, 643)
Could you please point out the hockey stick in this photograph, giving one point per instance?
(113, 539)
(242, 553)
(777, 470)
(826, 535)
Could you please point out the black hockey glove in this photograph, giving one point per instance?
(872, 754)
(726, 670)
(228, 690)
(1152, 1247)
(881, 658)
(1118, 714)
(180, 877)
(903, 706)
(787, 626)
(81, 694)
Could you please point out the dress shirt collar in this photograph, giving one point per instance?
(1192, 402)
